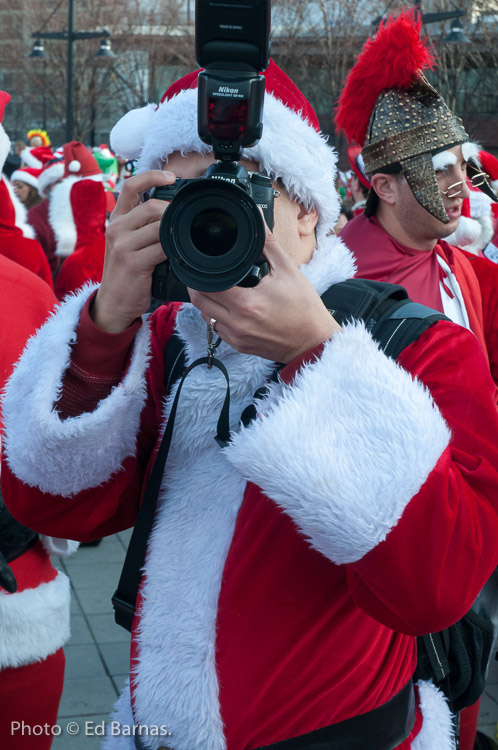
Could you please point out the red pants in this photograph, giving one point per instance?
(29, 700)
(468, 726)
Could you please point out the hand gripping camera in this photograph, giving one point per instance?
(213, 233)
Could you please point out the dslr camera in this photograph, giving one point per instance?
(212, 232)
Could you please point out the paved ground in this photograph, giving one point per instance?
(98, 653)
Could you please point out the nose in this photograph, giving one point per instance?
(465, 190)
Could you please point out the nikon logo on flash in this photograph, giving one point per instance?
(227, 90)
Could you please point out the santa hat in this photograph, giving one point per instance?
(52, 172)
(27, 175)
(79, 162)
(291, 149)
(36, 157)
(357, 165)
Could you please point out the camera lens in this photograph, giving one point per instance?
(213, 232)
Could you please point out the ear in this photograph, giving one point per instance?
(307, 220)
(385, 186)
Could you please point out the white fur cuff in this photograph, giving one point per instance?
(63, 457)
(35, 622)
(345, 448)
(437, 728)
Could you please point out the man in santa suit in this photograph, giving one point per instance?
(418, 159)
(86, 263)
(288, 573)
(34, 596)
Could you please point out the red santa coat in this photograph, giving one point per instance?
(477, 278)
(288, 574)
(15, 246)
(35, 619)
(86, 263)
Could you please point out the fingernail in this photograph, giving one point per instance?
(168, 174)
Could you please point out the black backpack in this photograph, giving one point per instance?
(456, 658)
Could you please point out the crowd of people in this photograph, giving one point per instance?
(323, 576)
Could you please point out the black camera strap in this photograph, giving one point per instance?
(125, 596)
(394, 322)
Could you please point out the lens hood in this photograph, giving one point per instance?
(213, 234)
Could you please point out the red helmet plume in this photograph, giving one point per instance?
(393, 58)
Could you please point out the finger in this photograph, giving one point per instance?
(133, 188)
(210, 304)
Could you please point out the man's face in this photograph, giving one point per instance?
(417, 221)
(286, 212)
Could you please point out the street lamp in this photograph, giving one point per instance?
(446, 15)
(71, 36)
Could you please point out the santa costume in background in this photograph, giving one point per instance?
(89, 215)
(13, 244)
(35, 615)
(38, 216)
(442, 278)
(79, 164)
(358, 168)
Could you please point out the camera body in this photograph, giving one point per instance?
(213, 232)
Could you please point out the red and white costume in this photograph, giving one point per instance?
(89, 215)
(460, 284)
(288, 574)
(35, 619)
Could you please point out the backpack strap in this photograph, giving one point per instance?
(388, 313)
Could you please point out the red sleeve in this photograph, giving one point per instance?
(113, 506)
(446, 541)
(98, 362)
(487, 276)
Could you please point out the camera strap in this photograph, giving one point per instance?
(125, 596)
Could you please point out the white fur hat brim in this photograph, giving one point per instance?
(49, 176)
(290, 149)
(21, 176)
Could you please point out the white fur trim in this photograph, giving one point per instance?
(4, 147)
(330, 263)
(128, 135)
(30, 160)
(290, 148)
(471, 151)
(51, 174)
(21, 213)
(59, 547)
(22, 176)
(437, 728)
(363, 478)
(491, 252)
(443, 160)
(494, 185)
(188, 547)
(467, 232)
(35, 622)
(74, 166)
(93, 444)
(480, 204)
(485, 235)
(123, 715)
(61, 218)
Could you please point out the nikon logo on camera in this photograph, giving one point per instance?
(227, 90)
(225, 179)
